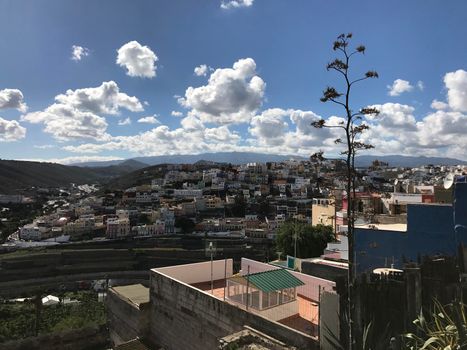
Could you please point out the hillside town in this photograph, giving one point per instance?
(233, 175)
(250, 200)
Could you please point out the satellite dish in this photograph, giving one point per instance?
(448, 181)
(396, 181)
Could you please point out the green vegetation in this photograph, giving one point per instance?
(445, 328)
(311, 240)
(15, 175)
(185, 224)
(18, 319)
(18, 215)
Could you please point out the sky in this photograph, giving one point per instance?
(112, 79)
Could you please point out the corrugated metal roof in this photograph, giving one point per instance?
(269, 281)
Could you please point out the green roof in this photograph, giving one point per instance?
(269, 281)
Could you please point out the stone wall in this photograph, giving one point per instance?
(183, 317)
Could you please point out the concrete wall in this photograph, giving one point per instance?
(329, 319)
(199, 272)
(309, 290)
(183, 317)
(126, 321)
(430, 231)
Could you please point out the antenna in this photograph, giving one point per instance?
(448, 181)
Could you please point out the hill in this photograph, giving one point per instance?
(407, 161)
(219, 157)
(15, 175)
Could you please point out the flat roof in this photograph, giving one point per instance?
(135, 293)
(387, 227)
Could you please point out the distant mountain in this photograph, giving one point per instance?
(247, 157)
(105, 163)
(124, 166)
(407, 161)
(15, 175)
(219, 157)
(20, 174)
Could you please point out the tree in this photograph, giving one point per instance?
(185, 224)
(352, 126)
(311, 240)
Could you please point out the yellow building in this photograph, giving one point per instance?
(323, 211)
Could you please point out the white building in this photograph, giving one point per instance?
(188, 193)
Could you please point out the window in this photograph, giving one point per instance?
(270, 299)
(288, 295)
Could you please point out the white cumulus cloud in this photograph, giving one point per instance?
(231, 4)
(11, 130)
(149, 120)
(12, 98)
(456, 83)
(106, 99)
(201, 70)
(78, 52)
(398, 87)
(176, 114)
(139, 60)
(435, 104)
(269, 127)
(232, 95)
(76, 114)
(65, 122)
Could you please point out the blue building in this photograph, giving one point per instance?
(432, 229)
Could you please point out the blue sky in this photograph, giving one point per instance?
(258, 91)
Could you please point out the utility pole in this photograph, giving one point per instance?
(295, 243)
(212, 281)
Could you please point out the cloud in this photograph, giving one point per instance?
(439, 105)
(232, 95)
(74, 159)
(44, 146)
(176, 114)
(394, 116)
(398, 87)
(12, 98)
(420, 85)
(231, 4)
(76, 114)
(11, 130)
(192, 123)
(149, 120)
(396, 130)
(288, 131)
(202, 70)
(106, 99)
(269, 127)
(65, 122)
(137, 59)
(78, 52)
(456, 84)
(126, 121)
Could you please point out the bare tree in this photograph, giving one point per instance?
(352, 126)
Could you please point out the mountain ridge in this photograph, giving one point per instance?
(249, 157)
